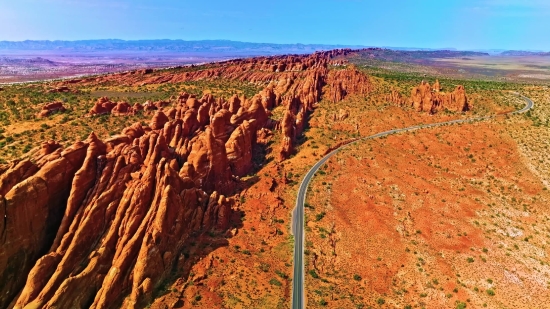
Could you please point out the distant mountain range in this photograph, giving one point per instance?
(210, 46)
(524, 53)
(218, 46)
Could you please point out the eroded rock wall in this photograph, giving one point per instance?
(424, 98)
(102, 223)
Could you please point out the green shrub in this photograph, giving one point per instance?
(264, 267)
(276, 282)
(320, 216)
(313, 273)
(281, 274)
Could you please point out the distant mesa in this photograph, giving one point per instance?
(524, 53)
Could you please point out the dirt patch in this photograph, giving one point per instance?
(122, 94)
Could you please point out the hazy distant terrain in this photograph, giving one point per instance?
(37, 60)
(508, 65)
(167, 45)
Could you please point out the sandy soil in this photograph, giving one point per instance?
(430, 219)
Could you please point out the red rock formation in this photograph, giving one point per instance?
(17, 172)
(221, 125)
(149, 106)
(125, 202)
(51, 108)
(288, 134)
(346, 82)
(122, 109)
(396, 98)
(460, 100)
(32, 210)
(49, 147)
(234, 104)
(209, 160)
(260, 69)
(158, 121)
(239, 148)
(423, 99)
(161, 104)
(269, 99)
(437, 86)
(102, 223)
(137, 107)
(134, 131)
(102, 106)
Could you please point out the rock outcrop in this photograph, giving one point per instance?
(32, 210)
(437, 86)
(102, 223)
(122, 109)
(102, 106)
(396, 98)
(115, 214)
(424, 98)
(288, 130)
(239, 148)
(348, 81)
(51, 108)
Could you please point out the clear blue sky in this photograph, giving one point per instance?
(464, 24)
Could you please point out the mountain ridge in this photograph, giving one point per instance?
(160, 45)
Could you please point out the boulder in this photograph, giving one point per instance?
(51, 108)
(102, 106)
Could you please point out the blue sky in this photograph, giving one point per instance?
(464, 24)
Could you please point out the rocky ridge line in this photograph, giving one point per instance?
(102, 223)
(430, 99)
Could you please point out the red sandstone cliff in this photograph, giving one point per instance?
(103, 223)
(425, 99)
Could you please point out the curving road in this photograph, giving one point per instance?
(298, 298)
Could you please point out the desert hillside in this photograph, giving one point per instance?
(173, 188)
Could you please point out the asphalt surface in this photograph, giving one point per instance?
(298, 287)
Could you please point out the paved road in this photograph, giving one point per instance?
(298, 295)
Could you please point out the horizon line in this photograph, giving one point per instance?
(281, 44)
